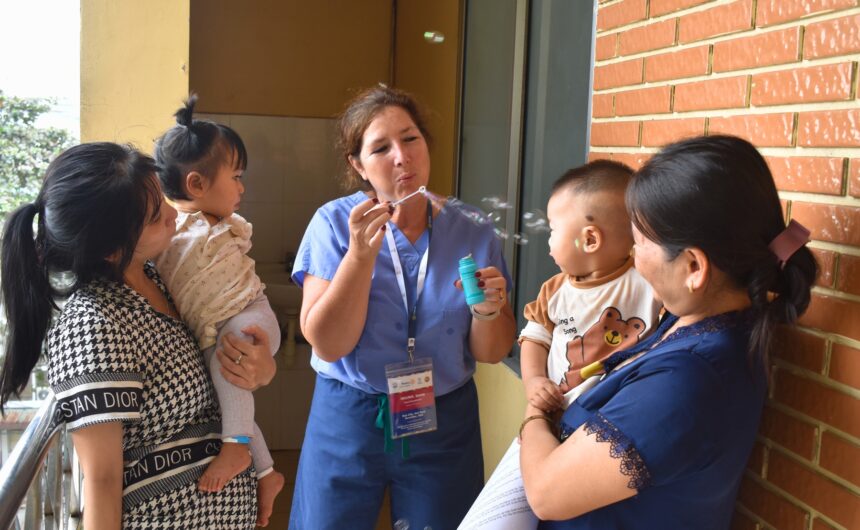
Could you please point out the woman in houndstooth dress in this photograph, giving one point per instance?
(127, 373)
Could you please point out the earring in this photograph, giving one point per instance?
(690, 287)
(576, 242)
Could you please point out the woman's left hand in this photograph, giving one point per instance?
(248, 365)
(491, 280)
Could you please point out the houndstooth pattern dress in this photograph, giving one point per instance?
(112, 357)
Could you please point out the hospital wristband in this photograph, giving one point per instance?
(481, 316)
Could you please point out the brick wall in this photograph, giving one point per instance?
(784, 75)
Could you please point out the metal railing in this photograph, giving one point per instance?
(44, 469)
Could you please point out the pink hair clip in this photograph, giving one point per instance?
(788, 242)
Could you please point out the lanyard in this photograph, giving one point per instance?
(401, 278)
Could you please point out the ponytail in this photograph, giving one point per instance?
(779, 296)
(27, 300)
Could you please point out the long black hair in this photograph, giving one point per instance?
(93, 205)
(195, 145)
(716, 193)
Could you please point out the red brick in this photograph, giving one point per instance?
(840, 36)
(773, 12)
(845, 365)
(653, 100)
(756, 461)
(799, 348)
(848, 279)
(646, 38)
(793, 434)
(831, 82)
(676, 65)
(829, 128)
(721, 20)
(592, 156)
(620, 133)
(854, 178)
(763, 130)
(726, 93)
(829, 222)
(771, 507)
(741, 521)
(826, 260)
(662, 7)
(806, 173)
(601, 106)
(605, 47)
(775, 47)
(818, 524)
(818, 492)
(827, 313)
(618, 74)
(821, 402)
(657, 133)
(633, 160)
(620, 14)
(841, 457)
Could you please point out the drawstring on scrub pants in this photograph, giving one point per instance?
(383, 421)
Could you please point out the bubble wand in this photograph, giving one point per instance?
(422, 189)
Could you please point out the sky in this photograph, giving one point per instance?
(40, 56)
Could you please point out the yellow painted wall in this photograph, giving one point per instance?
(287, 57)
(502, 403)
(134, 58)
(432, 73)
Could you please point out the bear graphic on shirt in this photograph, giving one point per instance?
(606, 336)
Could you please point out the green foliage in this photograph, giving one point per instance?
(25, 149)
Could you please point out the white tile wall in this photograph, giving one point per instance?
(293, 168)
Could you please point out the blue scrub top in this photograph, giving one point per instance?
(682, 418)
(443, 317)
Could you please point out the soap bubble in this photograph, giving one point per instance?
(496, 203)
(532, 221)
(535, 221)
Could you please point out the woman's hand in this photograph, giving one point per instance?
(248, 365)
(491, 280)
(367, 228)
(491, 339)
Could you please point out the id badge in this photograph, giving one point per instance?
(411, 401)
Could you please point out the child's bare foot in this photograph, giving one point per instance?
(232, 460)
(268, 488)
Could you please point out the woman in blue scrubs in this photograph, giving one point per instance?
(379, 289)
(663, 439)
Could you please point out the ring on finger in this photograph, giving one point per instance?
(238, 360)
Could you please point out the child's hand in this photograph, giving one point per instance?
(544, 394)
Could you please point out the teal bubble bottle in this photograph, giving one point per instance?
(474, 294)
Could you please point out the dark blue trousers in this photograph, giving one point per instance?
(344, 470)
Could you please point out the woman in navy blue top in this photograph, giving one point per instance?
(662, 440)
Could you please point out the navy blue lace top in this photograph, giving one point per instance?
(681, 419)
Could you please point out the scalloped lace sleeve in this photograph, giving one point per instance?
(621, 447)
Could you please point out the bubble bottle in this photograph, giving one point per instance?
(474, 294)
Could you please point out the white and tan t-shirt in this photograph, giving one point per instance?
(208, 272)
(582, 321)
